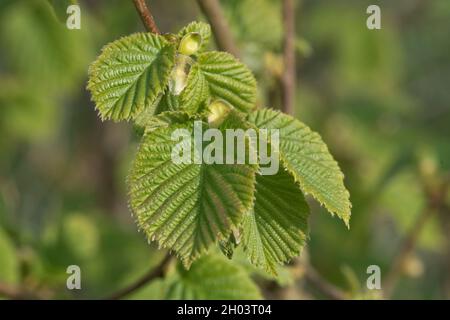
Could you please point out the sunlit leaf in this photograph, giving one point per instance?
(306, 157)
(130, 74)
(275, 231)
(223, 77)
(186, 207)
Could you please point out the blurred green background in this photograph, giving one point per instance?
(379, 98)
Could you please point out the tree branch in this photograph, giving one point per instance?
(154, 273)
(222, 33)
(301, 269)
(288, 78)
(146, 16)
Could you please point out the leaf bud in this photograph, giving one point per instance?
(190, 43)
(218, 111)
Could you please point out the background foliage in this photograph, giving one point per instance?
(378, 98)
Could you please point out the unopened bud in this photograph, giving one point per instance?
(218, 111)
(190, 43)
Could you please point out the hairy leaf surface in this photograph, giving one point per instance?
(223, 77)
(130, 74)
(307, 158)
(275, 231)
(168, 102)
(186, 207)
(196, 94)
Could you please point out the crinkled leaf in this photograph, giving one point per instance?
(130, 74)
(275, 231)
(196, 94)
(186, 207)
(168, 102)
(307, 158)
(225, 77)
(213, 277)
(166, 119)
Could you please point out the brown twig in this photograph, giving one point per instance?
(288, 78)
(153, 274)
(222, 33)
(146, 16)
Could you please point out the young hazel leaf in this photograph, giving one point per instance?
(307, 158)
(213, 277)
(277, 228)
(186, 207)
(195, 96)
(130, 74)
(168, 102)
(166, 119)
(219, 75)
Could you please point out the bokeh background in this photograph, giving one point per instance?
(380, 99)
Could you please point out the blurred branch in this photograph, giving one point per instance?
(435, 203)
(146, 16)
(301, 269)
(444, 216)
(406, 249)
(222, 33)
(288, 78)
(16, 293)
(322, 285)
(414, 10)
(154, 273)
(445, 225)
(10, 292)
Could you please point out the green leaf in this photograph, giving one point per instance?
(228, 246)
(168, 102)
(198, 27)
(130, 74)
(166, 119)
(195, 96)
(277, 228)
(225, 78)
(213, 277)
(164, 104)
(307, 158)
(186, 207)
